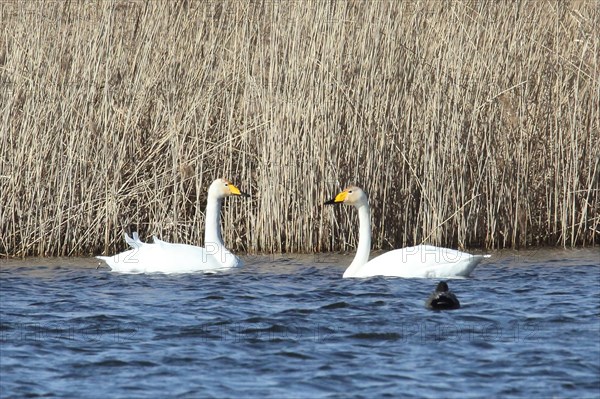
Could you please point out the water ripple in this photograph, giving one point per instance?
(292, 327)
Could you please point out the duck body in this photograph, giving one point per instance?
(442, 298)
(165, 257)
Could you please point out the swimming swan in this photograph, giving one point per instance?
(420, 261)
(182, 258)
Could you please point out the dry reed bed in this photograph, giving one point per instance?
(468, 123)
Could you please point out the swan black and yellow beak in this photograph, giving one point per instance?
(341, 197)
(236, 191)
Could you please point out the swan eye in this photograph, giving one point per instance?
(350, 192)
(226, 184)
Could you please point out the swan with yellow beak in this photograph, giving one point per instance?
(164, 257)
(421, 261)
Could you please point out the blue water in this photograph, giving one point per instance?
(280, 327)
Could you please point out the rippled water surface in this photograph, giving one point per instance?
(282, 327)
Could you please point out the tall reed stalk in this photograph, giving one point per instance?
(468, 123)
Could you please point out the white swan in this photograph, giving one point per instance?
(182, 258)
(420, 261)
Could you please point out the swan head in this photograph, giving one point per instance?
(221, 188)
(352, 195)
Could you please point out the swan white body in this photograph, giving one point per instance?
(421, 261)
(166, 257)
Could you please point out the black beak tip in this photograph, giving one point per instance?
(330, 202)
(245, 195)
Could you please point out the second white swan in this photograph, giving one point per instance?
(165, 257)
(423, 261)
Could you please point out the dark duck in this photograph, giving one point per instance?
(442, 298)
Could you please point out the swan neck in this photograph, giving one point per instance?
(212, 234)
(364, 240)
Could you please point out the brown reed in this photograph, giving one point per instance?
(468, 123)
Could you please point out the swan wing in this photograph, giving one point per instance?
(134, 241)
(159, 242)
(165, 257)
(421, 261)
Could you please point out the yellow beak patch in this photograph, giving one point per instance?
(341, 197)
(234, 190)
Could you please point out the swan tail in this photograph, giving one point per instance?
(473, 263)
(104, 259)
(108, 260)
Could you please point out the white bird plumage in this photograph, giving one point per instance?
(165, 257)
(421, 261)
